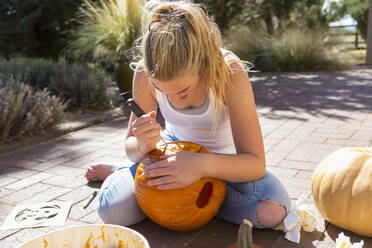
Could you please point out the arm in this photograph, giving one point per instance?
(143, 132)
(249, 162)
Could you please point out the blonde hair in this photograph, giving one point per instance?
(179, 37)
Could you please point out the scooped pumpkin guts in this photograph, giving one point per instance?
(181, 209)
(341, 188)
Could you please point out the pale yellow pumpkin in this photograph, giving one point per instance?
(342, 189)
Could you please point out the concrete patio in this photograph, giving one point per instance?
(303, 116)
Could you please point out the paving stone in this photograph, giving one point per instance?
(78, 212)
(218, 234)
(68, 171)
(282, 172)
(77, 195)
(49, 194)
(305, 138)
(5, 210)
(269, 143)
(278, 134)
(332, 233)
(4, 192)
(295, 193)
(305, 175)
(19, 184)
(77, 162)
(37, 151)
(333, 133)
(16, 162)
(66, 181)
(47, 156)
(4, 180)
(285, 146)
(24, 194)
(291, 125)
(26, 234)
(274, 158)
(347, 142)
(311, 151)
(116, 161)
(4, 234)
(159, 237)
(303, 130)
(16, 172)
(91, 218)
(298, 165)
(109, 151)
(362, 136)
(308, 240)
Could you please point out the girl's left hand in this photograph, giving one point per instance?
(174, 170)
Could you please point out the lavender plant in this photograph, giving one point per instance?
(24, 110)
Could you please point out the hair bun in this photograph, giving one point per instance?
(168, 12)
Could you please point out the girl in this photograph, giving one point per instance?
(205, 96)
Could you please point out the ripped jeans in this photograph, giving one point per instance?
(118, 205)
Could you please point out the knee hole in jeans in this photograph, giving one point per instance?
(270, 213)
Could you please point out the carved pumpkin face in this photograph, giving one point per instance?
(342, 189)
(182, 209)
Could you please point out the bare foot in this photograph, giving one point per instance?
(99, 172)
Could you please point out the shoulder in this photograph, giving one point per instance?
(141, 83)
(229, 55)
(239, 72)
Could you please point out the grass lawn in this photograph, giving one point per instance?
(358, 56)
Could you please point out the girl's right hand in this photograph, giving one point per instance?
(147, 131)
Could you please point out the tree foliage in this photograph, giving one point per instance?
(273, 15)
(35, 27)
(358, 9)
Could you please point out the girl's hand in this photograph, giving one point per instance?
(147, 131)
(175, 170)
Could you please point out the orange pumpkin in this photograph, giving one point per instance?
(181, 209)
(342, 189)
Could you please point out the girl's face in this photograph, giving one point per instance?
(179, 88)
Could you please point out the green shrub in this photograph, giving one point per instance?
(34, 72)
(82, 86)
(292, 50)
(24, 110)
(106, 29)
(105, 33)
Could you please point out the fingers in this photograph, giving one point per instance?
(161, 181)
(165, 183)
(139, 129)
(169, 186)
(157, 172)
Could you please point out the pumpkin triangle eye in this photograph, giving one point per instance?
(204, 195)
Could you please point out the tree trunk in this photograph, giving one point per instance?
(369, 36)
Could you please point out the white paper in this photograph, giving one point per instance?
(38, 214)
(302, 215)
(292, 224)
(343, 241)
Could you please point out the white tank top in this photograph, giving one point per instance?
(197, 127)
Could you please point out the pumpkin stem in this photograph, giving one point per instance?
(245, 239)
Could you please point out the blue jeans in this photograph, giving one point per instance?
(118, 205)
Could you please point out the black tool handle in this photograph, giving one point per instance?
(91, 197)
(135, 108)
